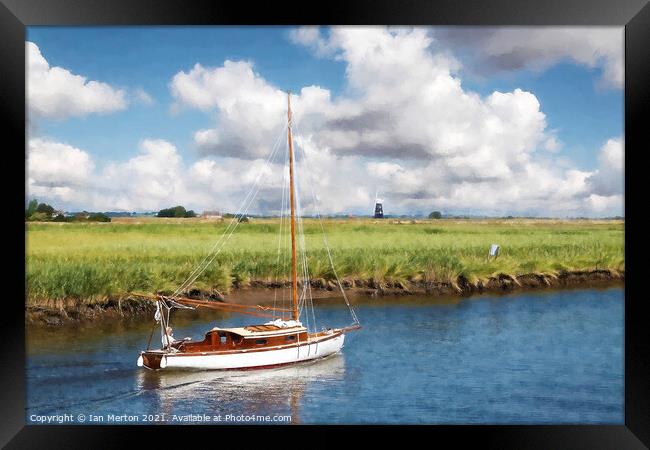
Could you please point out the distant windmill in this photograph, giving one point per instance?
(379, 209)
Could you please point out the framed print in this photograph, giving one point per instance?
(368, 213)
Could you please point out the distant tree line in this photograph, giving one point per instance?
(176, 211)
(42, 212)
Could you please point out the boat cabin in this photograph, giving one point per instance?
(249, 337)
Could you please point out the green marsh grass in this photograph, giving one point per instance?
(92, 262)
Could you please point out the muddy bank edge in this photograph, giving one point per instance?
(56, 313)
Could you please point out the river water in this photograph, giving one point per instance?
(526, 358)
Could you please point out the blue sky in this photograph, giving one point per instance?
(584, 115)
(581, 111)
(149, 58)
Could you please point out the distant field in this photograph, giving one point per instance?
(93, 261)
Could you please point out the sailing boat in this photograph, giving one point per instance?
(274, 343)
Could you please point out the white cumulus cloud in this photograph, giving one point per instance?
(250, 112)
(55, 164)
(538, 48)
(54, 92)
(57, 170)
(609, 178)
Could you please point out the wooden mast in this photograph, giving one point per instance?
(294, 278)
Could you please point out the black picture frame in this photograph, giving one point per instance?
(15, 15)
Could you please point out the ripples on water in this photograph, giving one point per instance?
(551, 357)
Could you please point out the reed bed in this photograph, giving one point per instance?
(93, 262)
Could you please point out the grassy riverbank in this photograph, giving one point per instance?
(94, 262)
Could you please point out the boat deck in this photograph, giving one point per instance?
(255, 331)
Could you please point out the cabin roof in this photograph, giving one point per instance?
(262, 330)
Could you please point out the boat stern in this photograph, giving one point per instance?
(151, 360)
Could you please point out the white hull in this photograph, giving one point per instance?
(253, 359)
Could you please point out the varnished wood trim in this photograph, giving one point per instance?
(256, 350)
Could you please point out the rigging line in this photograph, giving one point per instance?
(311, 298)
(297, 209)
(282, 204)
(308, 295)
(236, 220)
(304, 261)
(280, 259)
(303, 258)
(233, 221)
(307, 281)
(230, 229)
(151, 335)
(309, 301)
(306, 301)
(224, 241)
(329, 254)
(283, 231)
(286, 294)
(212, 258)
(164, 324)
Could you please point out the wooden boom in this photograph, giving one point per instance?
(252, 310)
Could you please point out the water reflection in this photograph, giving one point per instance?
(252, 392)
(554, 357)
